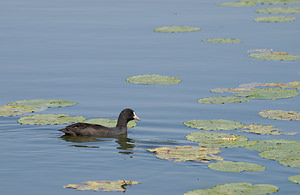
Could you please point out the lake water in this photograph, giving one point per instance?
(84, 50)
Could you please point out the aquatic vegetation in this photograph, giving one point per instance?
(268, 93)
(263, 130)
(231, 166)
(49, 119)
(293, 84)
(280, 115)
(295, 179)
(265, 56)
(42, 104)
(222, 140)
(236, 188)
(238, 4)
(280, 10)
(173, 29)
(15, 110)
(222, 100)
(118, 185)
(223, 40)
(274, 19)
(153, 79)
(186, 153)
(245, 3)
(217, 124)
(108, 123)
(286, 152)
(231, 90)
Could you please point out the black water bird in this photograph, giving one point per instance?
(86, 129)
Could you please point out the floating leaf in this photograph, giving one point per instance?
(280, 10)
(236, 188)
(270, 2)
(118, 185)
(286, 156)
(263, 130)
(42, 104)
(49, 119)
(231, 166)
(268, 93)
(187, 153)
(295, 179)
(153, 79)
(231, 90)
(223, 40)
(173, 29)
(224, 140)
(272, 56)
(274, 19)
(293, 84)
(222, 100)
(238, 4)
(217, 124)
(275, 144)
(108, 123)
(280, 115)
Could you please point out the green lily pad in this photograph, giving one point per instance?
(231, 166)
(217, 124)
(293, 84)
(222, 100)
(223, 140)
(173, 29)
(271, 2)
(238, 4)
(15, 110)
(284, 155)
(274, 19)
(295, 179)
(153, 79)
(280, 10)
(49, 119)
(263, 130)
(118, 185)
(236, 189)
(275, 144)
(223, 40)
(108, 123)
(270, 56)
(280, 115)
(268, 93)
(231, 90)
(186, 153)
(42, 104)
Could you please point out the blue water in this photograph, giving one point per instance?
(84, 50)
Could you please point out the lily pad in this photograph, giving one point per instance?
(280, 10)
(15, 110)
(271, 2)
(49, 119)
(280, 115)
(231, 90)
(217, 124)
(293, 84)
(173, 29)
(118, 185)
(238, 4)
(231, 166)
(222, 100)
(267, 56)
(274, 19)
(186, 153)
(268, 93)
(295, 179)
(286, 156)
(263, 130)
(42, 104)
(236, 189)
(223, 40)
(275, 144)
(108, 123)
(153, 79)
(224, 140)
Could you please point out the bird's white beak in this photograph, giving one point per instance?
(136, 117)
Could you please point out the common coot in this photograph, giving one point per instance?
(86, 129)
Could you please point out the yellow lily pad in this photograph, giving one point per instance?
(153, 79)
(49, 119)
(274, 19)
(173, 29)
(223, 40)
(280, 10)
(231, 166)
(107, 186)
(108, 123)
(280, 115)
(236, 189)
(217, 124)
(186, 153)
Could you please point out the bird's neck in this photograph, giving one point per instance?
(122, 124)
